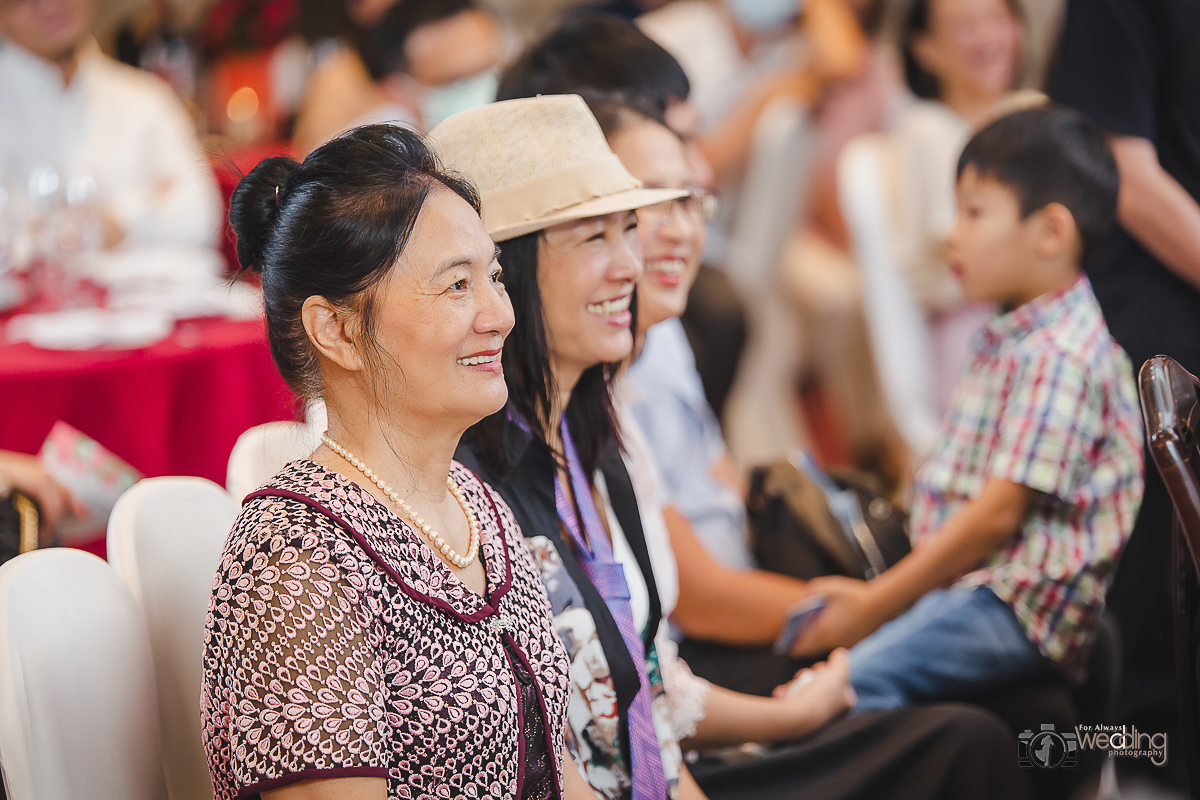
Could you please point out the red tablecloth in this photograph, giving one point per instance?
(174, 408)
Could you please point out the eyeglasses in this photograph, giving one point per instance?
(698, 205)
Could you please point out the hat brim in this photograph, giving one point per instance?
(609, 204)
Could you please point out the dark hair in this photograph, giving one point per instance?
(1051, 155)
(382, 47)
(531, 390)
(614, 112)
(333, 227)
(922, 83)
(601, 53)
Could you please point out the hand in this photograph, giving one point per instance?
(27, 475)
(849, 616)
(822, 692)
(839, 46)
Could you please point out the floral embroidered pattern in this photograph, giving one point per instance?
(594, 734)
(338, 644)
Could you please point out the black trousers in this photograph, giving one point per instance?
(941, 752)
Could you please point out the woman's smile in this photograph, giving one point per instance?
(614, 311)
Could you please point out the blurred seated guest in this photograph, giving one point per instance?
(710, 586)
(25, 474)
(339, 88)
(106, 130)
(424, 59)
(378, 627)
(962, 58)
(1022, 511)
(741, 55)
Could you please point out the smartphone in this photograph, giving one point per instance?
(800, 616)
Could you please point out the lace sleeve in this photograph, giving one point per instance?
(687, 694)
(296, 648)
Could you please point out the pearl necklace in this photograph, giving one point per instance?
(435, 539)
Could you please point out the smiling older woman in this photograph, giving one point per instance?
(377, 626)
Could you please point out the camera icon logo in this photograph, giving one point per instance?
(1047, 749)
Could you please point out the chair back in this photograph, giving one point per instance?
(164, 540)
(898, 327)
(264, 450)
(1171, 408)
(760, 416)
(78, 712)
(1170, 398)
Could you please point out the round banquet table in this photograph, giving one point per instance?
(172, 408)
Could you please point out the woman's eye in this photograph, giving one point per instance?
(460, 285)
(632, 225)
(498, 277)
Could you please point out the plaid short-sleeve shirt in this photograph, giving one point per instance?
(1048, 401)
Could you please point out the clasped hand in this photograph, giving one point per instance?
(850, 615)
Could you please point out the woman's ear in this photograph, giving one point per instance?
(328, 328)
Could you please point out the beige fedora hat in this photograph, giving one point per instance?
(537, 162)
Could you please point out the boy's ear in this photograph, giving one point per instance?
(329, 328)
(1056, 230)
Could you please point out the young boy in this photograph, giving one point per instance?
(1021, 512)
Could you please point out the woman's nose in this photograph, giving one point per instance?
(677, 226)
(496, 311)
(626, 263)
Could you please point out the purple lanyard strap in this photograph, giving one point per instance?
(608, 576)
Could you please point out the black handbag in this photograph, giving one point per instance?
(807, 523)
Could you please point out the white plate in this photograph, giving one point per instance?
(88, 328)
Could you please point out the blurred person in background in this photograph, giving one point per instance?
(417, 63)
(606, 54)
(100, 132)
(962, 60)
(340, 88)
(1132, 67)
(740, 55)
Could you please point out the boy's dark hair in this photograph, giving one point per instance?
(601, 53)
(1051, 155)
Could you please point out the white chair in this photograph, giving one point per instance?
(78, 712)
(164, 540)
(263, 450)
(761, 420)
(899, 329)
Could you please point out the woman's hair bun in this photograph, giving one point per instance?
(255, 207)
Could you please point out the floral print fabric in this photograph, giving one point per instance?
(338, 644)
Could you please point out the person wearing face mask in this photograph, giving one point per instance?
(741, 55)
(426, 60)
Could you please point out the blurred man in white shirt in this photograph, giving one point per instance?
(103, 128)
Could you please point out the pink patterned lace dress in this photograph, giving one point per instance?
(338, 645)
